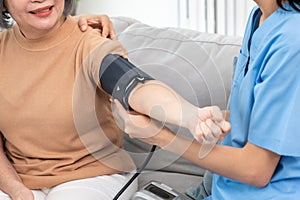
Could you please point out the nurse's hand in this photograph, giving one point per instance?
(101, 22)
(142, 127)
(136, 125)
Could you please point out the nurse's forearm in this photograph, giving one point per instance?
(251, 164)
(226, 114)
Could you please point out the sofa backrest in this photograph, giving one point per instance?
(197, 65)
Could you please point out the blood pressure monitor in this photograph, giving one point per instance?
(158, 191)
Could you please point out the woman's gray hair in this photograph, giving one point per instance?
(6, 20)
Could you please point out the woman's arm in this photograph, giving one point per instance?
(10, 182)
(159, 101)
(251, 165)
(162, 103)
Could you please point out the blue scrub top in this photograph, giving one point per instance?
(265, 105)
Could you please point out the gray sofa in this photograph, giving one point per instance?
(196, 65)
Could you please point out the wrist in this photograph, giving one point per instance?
(22, 193)
(14, 187)
(164, 138)
(177, 144)
(191, 119)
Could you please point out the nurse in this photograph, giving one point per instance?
(260, 157)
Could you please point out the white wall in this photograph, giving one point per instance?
(199, 15)
(153, 12)
(227, 17)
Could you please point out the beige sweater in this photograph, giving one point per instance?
(58, 126)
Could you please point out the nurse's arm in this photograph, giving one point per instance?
(226, 114)
(101, 22)
(252, 165)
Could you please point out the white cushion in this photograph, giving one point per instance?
(121, 23)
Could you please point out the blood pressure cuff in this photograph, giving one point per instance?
(118, 77)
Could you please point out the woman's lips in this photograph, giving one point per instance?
(42, 12)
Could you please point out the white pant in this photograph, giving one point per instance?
(96, 188)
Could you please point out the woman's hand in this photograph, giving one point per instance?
(22, 193)
(101, 22)
(209, 125)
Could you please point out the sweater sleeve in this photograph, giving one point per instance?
(95, 48)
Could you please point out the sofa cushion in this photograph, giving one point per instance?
(121, 23)
(197, 65)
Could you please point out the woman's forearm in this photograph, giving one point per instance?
(159, 101)
(10, 182)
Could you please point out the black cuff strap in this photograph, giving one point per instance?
(118, 77)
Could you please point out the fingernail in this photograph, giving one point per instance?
(83, 27)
